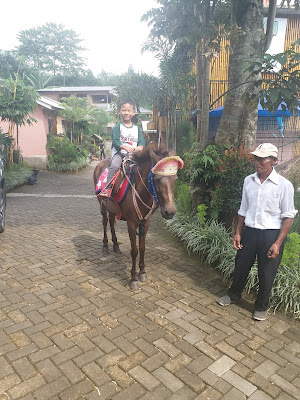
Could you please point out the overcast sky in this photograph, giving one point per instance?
(111, 30)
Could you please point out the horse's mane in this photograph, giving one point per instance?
(142, 157)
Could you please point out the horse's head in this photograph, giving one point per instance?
(164, 177)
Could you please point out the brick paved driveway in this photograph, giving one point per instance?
(72, 329)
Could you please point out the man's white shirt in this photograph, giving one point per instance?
(265, 205)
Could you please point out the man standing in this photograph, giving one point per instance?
(264, 219)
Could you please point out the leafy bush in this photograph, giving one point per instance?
(73, 166)
(186, 135)
(234, 165)
(291, 251)
(183, 197)
(286, 290)
(6, 142)
(211, 241)
(296, 222)
(65, 156)
(216, 175)
(16, 175)
(295, 179)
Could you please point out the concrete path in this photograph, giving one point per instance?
(70, 328)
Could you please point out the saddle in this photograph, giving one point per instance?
(119, 186)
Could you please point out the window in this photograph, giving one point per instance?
(100, 99)
(81, 96)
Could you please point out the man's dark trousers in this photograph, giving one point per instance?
(256, 243)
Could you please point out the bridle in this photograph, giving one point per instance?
(135, 194)
(166, 167)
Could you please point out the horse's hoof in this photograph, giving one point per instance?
(116, 248)
(105, 251)
(134, 285)
(143, 277)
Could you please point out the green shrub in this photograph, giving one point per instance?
(186, 135)
(6, 141)
(63, 151)
(296, 222)
(291, 250)
(183, 197)
(73, 166)
(65, 156)
(217, 175)
(16, 175)
(286, 290)
(234, 165)
(295, 179)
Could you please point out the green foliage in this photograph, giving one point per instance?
(201, 213)
(6, 142)
(211, 241)
(296, 222)
(295, 179)
(291, 251)
(280, 82)
(51, 48)
(186, 136)
(183, 198)
(64, 153)
(16, 175)
(17, 101)
(286, 290)
(73, 166)
(219, 172)
(233, 166)
(139, 87)
(202, 164)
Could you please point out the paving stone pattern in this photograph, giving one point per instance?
(72, 329)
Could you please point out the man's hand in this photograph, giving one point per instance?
(237, 242)
(273, 251)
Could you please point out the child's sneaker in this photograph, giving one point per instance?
(106, 192)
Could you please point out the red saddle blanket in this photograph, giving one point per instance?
(117, 195)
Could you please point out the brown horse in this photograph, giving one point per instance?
(140, 202)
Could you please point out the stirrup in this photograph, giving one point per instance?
(106, 192)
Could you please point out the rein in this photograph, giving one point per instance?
(135, 194)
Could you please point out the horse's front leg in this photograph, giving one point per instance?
(105, 239)
(134, 252)
(142, 246)
(112, 220)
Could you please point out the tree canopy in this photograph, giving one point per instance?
(51, 48)
(17, 101)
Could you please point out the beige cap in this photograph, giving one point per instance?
(265, 150)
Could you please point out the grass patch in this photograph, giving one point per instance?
(16, 175)
(73, 166)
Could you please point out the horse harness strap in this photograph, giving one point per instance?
(135, 194)
(137, 209)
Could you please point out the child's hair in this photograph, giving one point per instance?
(126, 101)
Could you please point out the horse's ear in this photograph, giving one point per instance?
(153, 156)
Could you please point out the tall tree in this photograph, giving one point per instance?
(176, 84)
(247, 41)
(17, 103)
(139, 87)
(195, 24)
(51, 48)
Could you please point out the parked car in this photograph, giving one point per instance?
(2, 196)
